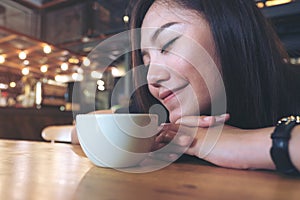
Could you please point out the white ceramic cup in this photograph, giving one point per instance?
(116, 140)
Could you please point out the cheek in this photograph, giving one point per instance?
(153, 91)
(180, 67)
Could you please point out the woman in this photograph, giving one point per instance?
(246, 60)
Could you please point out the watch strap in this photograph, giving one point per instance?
(280, 145)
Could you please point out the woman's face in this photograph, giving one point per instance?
(183, 70)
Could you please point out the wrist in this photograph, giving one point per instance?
(280, 151)
(258, 149)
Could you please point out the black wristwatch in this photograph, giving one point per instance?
(280, 143)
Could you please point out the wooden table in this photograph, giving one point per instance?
(39, 170)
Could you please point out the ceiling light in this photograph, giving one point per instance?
(277, 2)
(86, 62)
(64, 66)
(3, 86)
(47, 49)
(126, 18)
(85, 39)
(77, 77)
(38, 93)
(96, 75)
(269, 3)
(62, 78)
(25, 71)
(116, 52)
(100, 82)
(73, 60)
(44, 68)
(26, 62)
(12, 84)
(115, 72)
(2, 59)
(65, 53)
(22, 55)
(260, 4)
(88, 49)
(101, 87)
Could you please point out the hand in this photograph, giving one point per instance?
(182, 137)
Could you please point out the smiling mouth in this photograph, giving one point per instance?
(166, 96)
(169, 94)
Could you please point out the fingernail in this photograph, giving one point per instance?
(165, 125)
(207, 119)
(221, 118)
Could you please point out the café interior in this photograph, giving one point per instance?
(47, 46)
(50, 47)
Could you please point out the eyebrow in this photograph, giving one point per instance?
(161, 29)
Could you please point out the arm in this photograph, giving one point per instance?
(243, 149)
(250, 149)
(74, 138)
(236, 148)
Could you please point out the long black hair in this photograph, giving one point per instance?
(252, 59)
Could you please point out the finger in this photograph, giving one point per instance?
(157, 146)
(203, 121)
(165, 136)
(222, 118)
(168, 126)
(183, 140)
(199, 121)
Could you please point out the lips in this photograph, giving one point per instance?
(165, 94)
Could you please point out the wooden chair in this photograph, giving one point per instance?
(61, 133)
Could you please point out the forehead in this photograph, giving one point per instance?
(160, 13)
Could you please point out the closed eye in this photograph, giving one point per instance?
(168, 44)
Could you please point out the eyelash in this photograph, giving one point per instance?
(164, 48)
(168, 44)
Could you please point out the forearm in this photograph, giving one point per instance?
(258, 148)
(243, 149)
(250, 149)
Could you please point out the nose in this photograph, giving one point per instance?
(157, 73)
